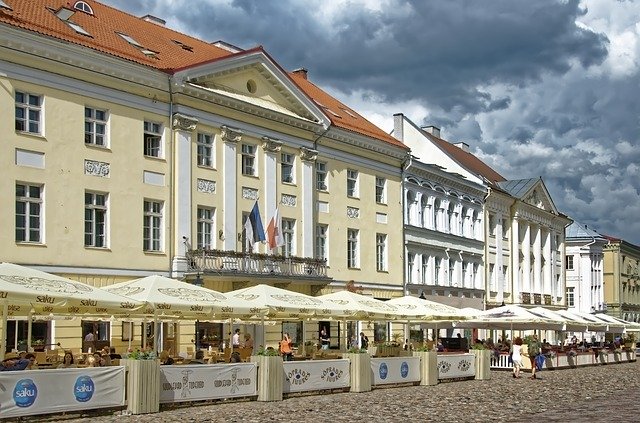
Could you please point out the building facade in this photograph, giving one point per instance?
(139, 150)
(621, 279)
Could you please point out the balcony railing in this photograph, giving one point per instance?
(232, 262)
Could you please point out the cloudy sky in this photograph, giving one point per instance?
(536, 88)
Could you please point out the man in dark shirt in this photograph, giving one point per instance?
(11, 364)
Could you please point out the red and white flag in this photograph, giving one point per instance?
(274, 231)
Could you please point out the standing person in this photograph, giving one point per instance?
(516, 357)
(533, 350)
(235, 340)
(248, 341)
(285, 348)
(324, 339)
(364, 341)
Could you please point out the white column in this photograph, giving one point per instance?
(271, 149)
(515, 259)
(526, 263)
(499, 260)
(537, 256)
(230, 137)
(184, 127)
(548, 269)
(308, 188)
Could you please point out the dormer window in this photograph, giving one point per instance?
(83, 7)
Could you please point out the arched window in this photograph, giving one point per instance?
(436, 211)
(83, 7)
(452, 218)
(411, 206)
(426, 213)
(464, 219)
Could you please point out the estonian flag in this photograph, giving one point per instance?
(253, 227)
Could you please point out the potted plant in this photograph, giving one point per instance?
(428, 364)
(360, 369)
(483, 361)
(143, 381)
(270, 374)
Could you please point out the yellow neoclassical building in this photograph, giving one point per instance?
(621, 280)
(130, 149)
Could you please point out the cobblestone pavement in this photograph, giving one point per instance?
(596, 394)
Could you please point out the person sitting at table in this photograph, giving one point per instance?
(165, 358)
(199, 359)
(285, 348)
(33, 364)
(113, 355)
(12, 362)
(235, 357)
(67, 362)
(96, 360)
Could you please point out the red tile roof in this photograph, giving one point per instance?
(173, 50)
(468, 160)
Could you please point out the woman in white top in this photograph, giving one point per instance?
(516, 356)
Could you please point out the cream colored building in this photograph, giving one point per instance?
(621, 279)
(138, 150)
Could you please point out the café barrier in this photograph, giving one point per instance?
(452, 366)
(316, 375)
(207, 381)
(32, 392)
(395, 370)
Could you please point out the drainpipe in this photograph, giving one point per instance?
(173, 177)
(403, 170)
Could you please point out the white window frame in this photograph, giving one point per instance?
(249, 159)
(568, 262)
(96, 219)
(381, 190)
(322, 183)
(29, 202)
(205, 231)
(425, 268)
(91, 125)
(437, 270)
(381, 252)
(152, 228)
(28, 108)
(353, 248)
(287, 162)
(152, 140)
(570, 296)
(322, 234)
(352, 183)
(205, 150)
(289, 236)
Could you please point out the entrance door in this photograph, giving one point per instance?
(95, 335)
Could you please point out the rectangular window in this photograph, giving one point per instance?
(568, 262)
(248, 159)
(321, 241)
(205, 150)
(95, 127)
(288, 233)
(352, 248)
(425, 269)
(28, 213)
(152, 226)
(352, 183)
(381, 252)
(438, 267)
(570, 299)
(321, 176)
(381, 191)
(95, 220)
(152, 139)
(452, 270)
(286, 163)
(205, 228)
(28, 112)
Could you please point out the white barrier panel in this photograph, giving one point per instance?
(315, 375)
(207, 381)
(395, 370)
(31, 392)
(452, 366)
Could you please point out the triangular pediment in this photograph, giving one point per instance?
(531, 191)
(253, 78)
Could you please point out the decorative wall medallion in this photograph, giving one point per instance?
(95, 168)
(249, 193)
(230, 134)
(288, 200)
(353, 212)
(206, 186)
(183, 122)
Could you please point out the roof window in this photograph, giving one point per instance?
(64, 14)
(349, 113)
(83, 7)
(4, 5)
(130, 40)
(183, 45)
(78, 28)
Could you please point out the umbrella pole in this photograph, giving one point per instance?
(144, 333)
(130, 334)
(3, 333)
(29, 330)
(264, 333)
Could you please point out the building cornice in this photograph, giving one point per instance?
(368, 143)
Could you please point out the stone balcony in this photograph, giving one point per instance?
(234, 263)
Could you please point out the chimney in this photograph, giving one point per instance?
(433, 130)
(154, 19)
(462, 146)
(302, 72)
